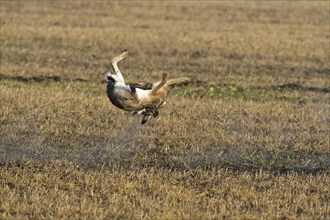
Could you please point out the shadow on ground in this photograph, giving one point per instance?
(39, 79)
(103, 152)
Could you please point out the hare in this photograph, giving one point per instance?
(140, 98)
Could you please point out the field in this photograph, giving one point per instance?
(248, 138)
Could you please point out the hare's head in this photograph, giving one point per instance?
(112, 78)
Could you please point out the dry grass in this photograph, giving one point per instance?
(248, 138)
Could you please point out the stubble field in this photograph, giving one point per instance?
(247, 138)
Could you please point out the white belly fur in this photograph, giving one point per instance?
(143, 94)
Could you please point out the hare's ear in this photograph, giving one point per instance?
(118, 58)
(114, 65)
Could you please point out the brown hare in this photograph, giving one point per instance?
(139, 98)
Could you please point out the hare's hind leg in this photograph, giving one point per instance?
(160, 85)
